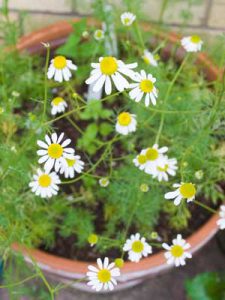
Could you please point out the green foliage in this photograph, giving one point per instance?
(78, 46)
(77, 221)
(206, 286)
(192, 128)
(90, 140)
(95, 110)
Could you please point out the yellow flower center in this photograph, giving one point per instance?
(146, 86)
(142, 159)
(44, 180)
(144, 187)
(93, 239)
(195, 39)
(127, 21)
(119, 262)
(56, 101)
(59, 62)
(55, 151)
(104, 275)
(146, 60)
(104, 181)
(187, 190)
(177, 251)
(164, 169)
(124, 119)
(152, 154)
(99, 33)
(70, 162)
(108, 65)
(137, 246)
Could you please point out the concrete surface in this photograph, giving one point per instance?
(168, 286)
(207, 15)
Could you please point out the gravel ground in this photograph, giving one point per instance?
(168, 286)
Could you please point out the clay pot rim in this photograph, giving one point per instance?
(155, 262)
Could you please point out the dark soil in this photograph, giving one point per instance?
(65, 247)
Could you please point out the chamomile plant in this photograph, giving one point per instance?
(106, 139)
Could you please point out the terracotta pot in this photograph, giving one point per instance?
(65, 270)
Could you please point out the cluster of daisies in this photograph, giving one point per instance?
(58, 158)
(155, 162)
(104, 275)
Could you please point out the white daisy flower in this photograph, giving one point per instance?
(126, 123)
(144, 88)
(192, 43)
(151, 158)
(140, 160)
(149, 58)
(110, 69)
(137, 247)
(53, 151)
(104, 182)
(127, 18)
(103, 276)
(58, 105)
(169, 168)
(221, 221)
(45, 184)
(99, 35)
(176, 253)
(183, 191)
(60, 69)
(71, 166)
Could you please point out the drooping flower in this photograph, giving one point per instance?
(127, 18)
(169, 168)
(192, 43)
(58, 105)
(137, 247)
(144, 87)
(183, 191)
(54, 151)
(221, 221)
(126, 123)
(60, 69)
(99, 35)
(103, 276)
(104, 182)
(110, 69)
(45, 184)
(176, 253)
(149, 58)
(69, 167)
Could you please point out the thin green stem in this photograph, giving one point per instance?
(80, 108)
(46, 79)
(162, 10)
(108, 145)
(211, 210)
(167, 96)
(19, 282)
(138, 31)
